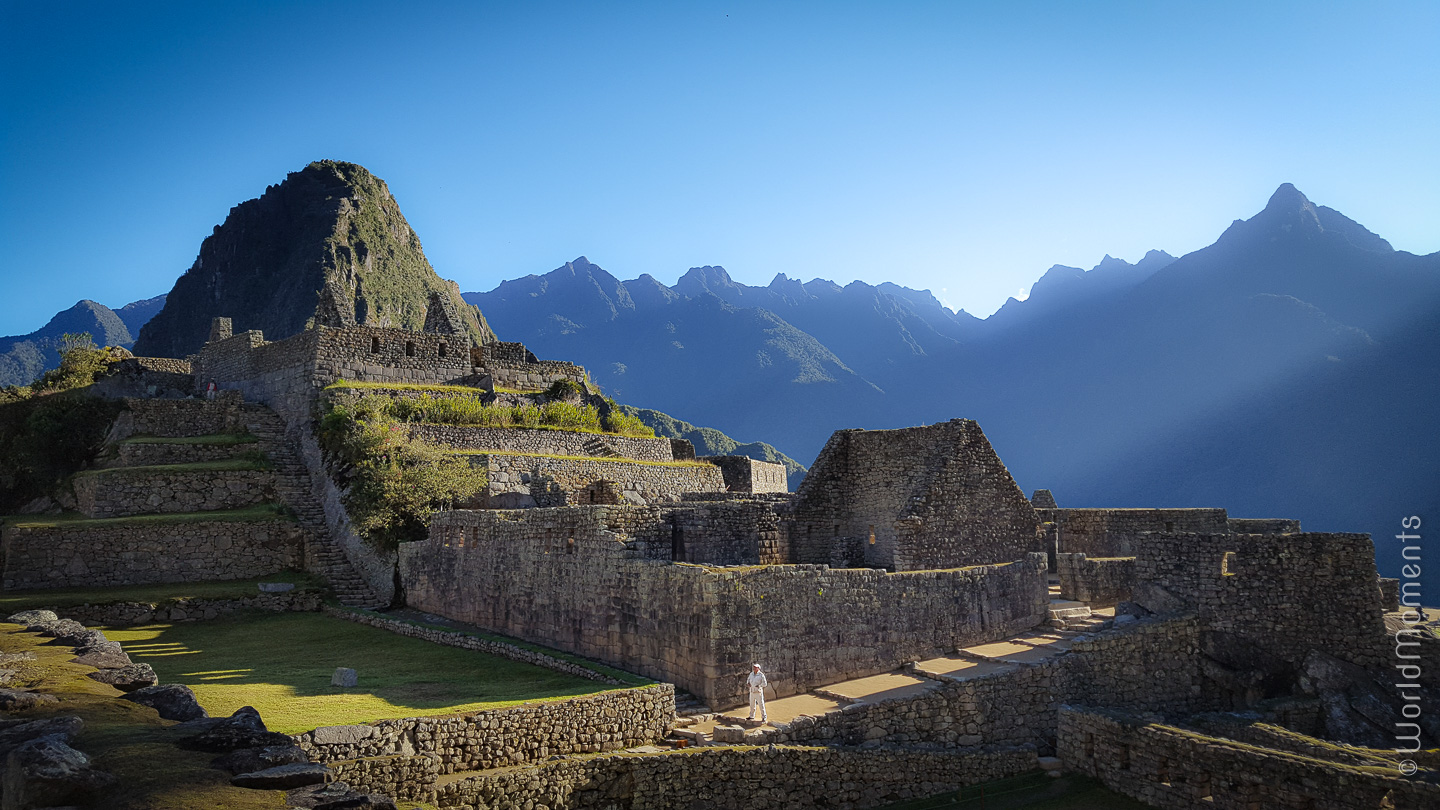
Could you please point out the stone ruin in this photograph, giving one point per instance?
(901, 551)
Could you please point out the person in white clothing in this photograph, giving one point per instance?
(757, 683)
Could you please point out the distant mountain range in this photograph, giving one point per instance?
(1290, 369)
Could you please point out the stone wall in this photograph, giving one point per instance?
(1263, 525)
(404, 778)
(912, 499)
(589, 580)
(1389, 594)
(511, 365)
(1164, 766)
(146, 377)
(1120, 532)
(175, 418)
(1288, 594)
(522, 480)
(466, 641)
(84, 555)
(737, 778)
(1150, 666)
(745, 474)
(139, 453)
(728, 533)
(122, 614)
(496, 738)
(124, 491)
(1096, 581)
(543, 442)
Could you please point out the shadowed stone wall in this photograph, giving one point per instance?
(1097, 581)
(90, 556)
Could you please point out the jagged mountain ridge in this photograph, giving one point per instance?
(330, 234)
(1169, 382)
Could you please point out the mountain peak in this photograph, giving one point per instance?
(1287, 199)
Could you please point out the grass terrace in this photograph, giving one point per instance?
(15, 601)
(607, 459)
(214, 439)
(263, 511)
(249, 461)
(461, 405)
(282, 664)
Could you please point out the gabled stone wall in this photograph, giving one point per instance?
(912, 499)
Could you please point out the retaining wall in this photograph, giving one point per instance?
(125, 491)
(543, 442)
(1120, 532)
(737, 778)
(98, 556)
(547, 481)
(121, 614)
(148, 454)
(496, 738)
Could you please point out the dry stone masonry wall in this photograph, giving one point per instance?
(737, 778)
(128, 491)
(496, 738)
(544, 442)
(1290, 594)
(1164, 766)
(912, 499)
(1098, 581)
(1120, 532)
(578, 579)
(91, 556)
(551, 481)
(744, 474)
(140, 453)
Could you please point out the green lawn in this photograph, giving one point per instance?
(14, 601)
(244, 463)
(281, 664)
(261, 511)
(216, 439)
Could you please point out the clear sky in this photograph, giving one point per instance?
(960, 147)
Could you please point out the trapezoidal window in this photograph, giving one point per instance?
(872, 535)
(443, 349)
(409, 348)
(1227, 564)
(374, 345)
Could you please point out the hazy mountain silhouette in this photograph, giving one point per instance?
(25, 357)
(1286, 370)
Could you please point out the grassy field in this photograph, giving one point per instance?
(126, 739)
(281, 664)
(13, 601)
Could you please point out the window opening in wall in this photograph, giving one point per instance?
(374, 345)
(1227, 564)
(837, 530)
(1169, 525)
(1162, 771)
(570, 546)
(409, 348)
(443, 349)
(872, 535)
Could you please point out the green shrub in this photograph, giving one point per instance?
(627, 425)
(395, 482)
(560, 389)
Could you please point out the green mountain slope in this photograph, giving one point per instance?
(711, 442)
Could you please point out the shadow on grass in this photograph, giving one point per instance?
(282, 665)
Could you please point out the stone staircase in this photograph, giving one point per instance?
(1065, 614)
(596, 446)
(293, 486)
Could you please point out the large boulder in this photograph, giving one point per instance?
(17, 733)
(14, 700)
(284, 777)
(337, 796)
(250, 760)
(243, 729)
(45, 772)
(127, 678)
(106, 655)
(33, 619)
(64, 629)
(173, 701)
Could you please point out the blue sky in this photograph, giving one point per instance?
(960, 147)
